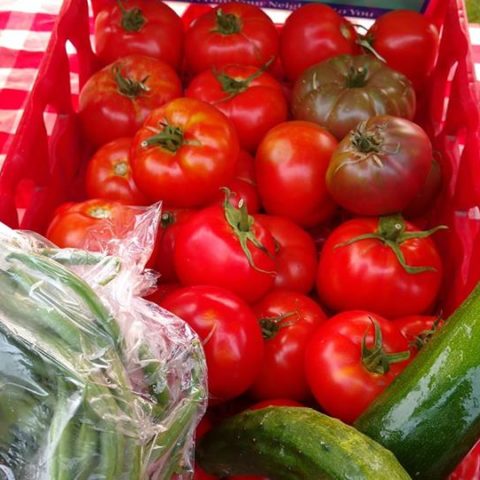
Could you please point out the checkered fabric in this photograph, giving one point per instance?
(24, 33)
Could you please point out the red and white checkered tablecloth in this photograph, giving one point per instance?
(24, 33)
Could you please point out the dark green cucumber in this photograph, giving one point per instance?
(430, 415)
(294, 443)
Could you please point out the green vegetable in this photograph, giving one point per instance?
(65, 395)
(430, 415)
(294, 443)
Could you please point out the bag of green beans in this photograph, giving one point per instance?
(96, 383)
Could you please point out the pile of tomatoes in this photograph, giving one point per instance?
(293, 179)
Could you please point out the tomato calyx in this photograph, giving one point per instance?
(357, 77)
(167, 219)
(170, 138)
(99, 212)
(233, 86)
(424, 337)
(129, 87)
(270, 326)
(241, 223)
(376, 359)
(132, 20)
(227, 23)
(366, 42)
(366, 142)
(120, 169)
(392, 232)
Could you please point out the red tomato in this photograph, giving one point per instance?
(184, 152)
(380, 166)
(311, 34)
(275, 402)
(115, 101)
(109, 174)
(296, 254)
(407, 41)
(231, 337)
(243, 185)
(418, 329)
(170, 224)
(425, 198)
(162, 290)
(288, 320)
(225, 246)
(345, 377)
(232, 33)
(90, 225)
(469, 467)
(252, 99)
(291, 163)
(359, 268)
(139, 26)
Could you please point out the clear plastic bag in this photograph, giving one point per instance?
(96, 383)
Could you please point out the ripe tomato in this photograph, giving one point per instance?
(469, 467)
(384, 265)
(424, 200)
(224, 246)
(408, 41)
(139, 26)
(161, 291)
(296, 254)
(291, 162)
(343, 91)
(418, 329)
(170, 224)
(184, 152)
(311, 34)
(380, 166)
(109, 174)
(288, 319)
(232, 33)
(351, 359)
(252, 99)
(243, 185)
(90, 225)
(231, 337)
(115, 101)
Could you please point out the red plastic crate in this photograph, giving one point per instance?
(41, 171)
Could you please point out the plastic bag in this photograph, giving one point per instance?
(95, 382)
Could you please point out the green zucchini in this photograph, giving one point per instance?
(430, 415)
(294, 443)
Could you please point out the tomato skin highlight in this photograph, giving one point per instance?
(291, 162)
(367, 275)
(115, 101)
(230, 334)
(208, 251)
(159, 36)
(339, 380)
(184, 153)
(232, 33)
(313, 33)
